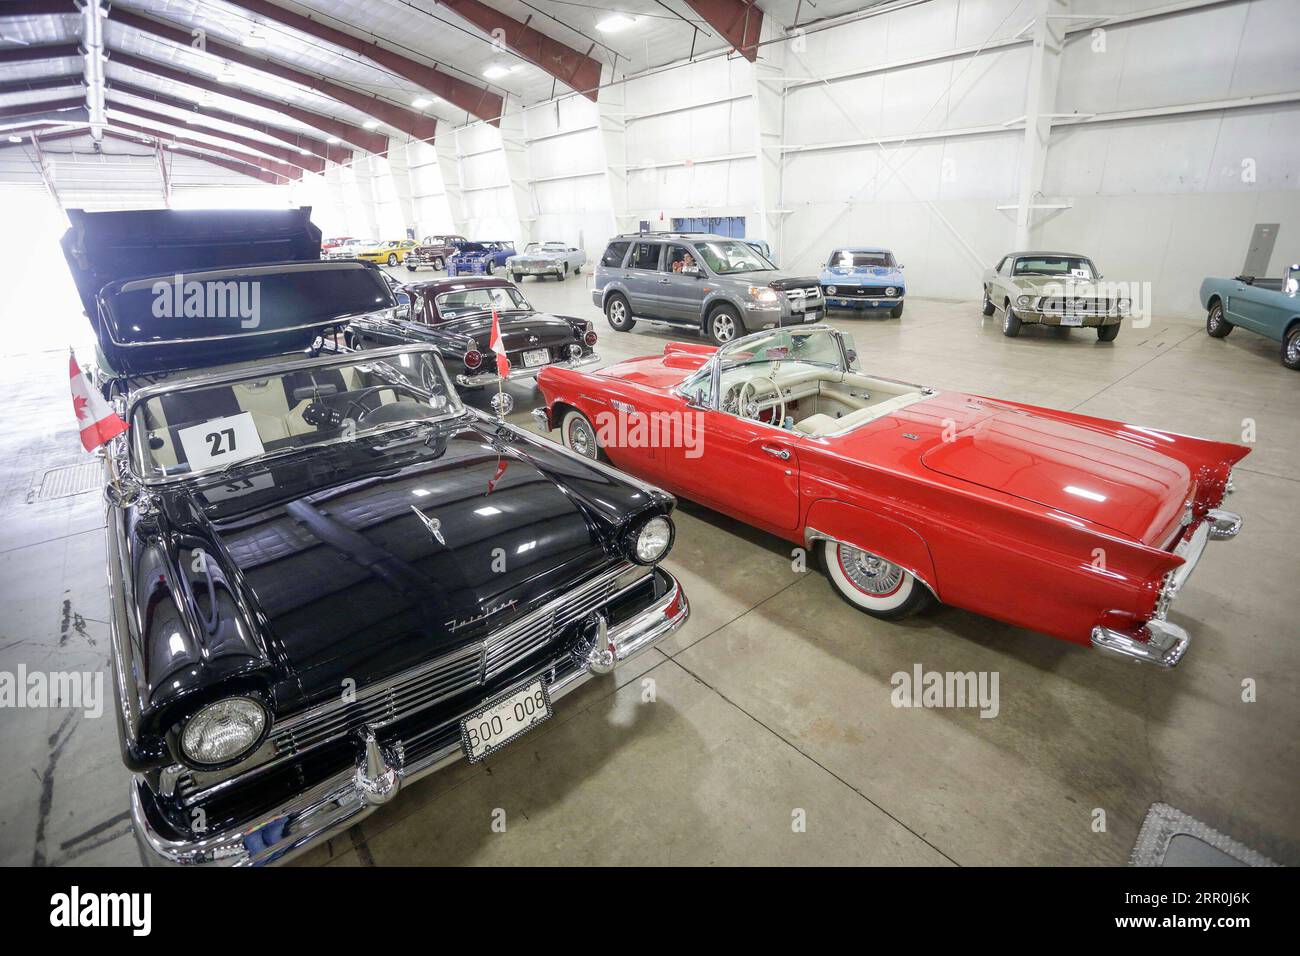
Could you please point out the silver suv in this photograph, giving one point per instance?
(723, 287)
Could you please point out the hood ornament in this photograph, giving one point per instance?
(433, 524)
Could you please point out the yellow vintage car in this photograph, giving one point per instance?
(386, 252)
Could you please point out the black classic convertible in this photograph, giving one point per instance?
(329, 577)
(455, 315)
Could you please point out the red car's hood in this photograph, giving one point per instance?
(1089, 472)
(679, 361)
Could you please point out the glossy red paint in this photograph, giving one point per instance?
(1043, 519)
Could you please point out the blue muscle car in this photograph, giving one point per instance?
(1270, 307)
(863, 277)
(479, 258)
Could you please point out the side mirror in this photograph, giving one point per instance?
(692, 271)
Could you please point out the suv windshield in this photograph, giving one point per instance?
(198, 428)
(503, 298)
(1073, 266)
(729, 256)
(847, 259)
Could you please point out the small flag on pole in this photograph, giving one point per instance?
(98, 423)
(503, 363)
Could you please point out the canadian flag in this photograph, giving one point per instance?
(97, 421)
(503, 363)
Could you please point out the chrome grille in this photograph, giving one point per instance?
(447, 676)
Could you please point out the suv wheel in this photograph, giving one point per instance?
(618, 314)
(724, 325)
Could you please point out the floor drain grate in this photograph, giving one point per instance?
(67, 481)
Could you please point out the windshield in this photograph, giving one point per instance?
(793, 346)
(847, 259)
(727, 256)
(503, 298)
(199, 428)
(1075, 267)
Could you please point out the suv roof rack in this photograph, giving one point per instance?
(667, 235)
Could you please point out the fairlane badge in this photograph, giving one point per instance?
(456, 623)
(433, 524)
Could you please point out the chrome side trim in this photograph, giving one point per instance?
(338, 802)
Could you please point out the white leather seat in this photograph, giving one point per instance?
(818, 425)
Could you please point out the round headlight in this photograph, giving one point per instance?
(652, 541)
(830, 290)
(891, 291)
(223, 731)
(1124, 305)
(1022, 300)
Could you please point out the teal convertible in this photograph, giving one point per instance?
(1270, 307)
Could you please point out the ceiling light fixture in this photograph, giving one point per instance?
(333, 140)
(421, 102)
(371, 124)
(615, 22)
(15, 139)
(497, 70)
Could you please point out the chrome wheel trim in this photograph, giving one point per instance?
(869, 573)
(724, 327)
(1216, 317)
(579, 437)
(1293, 347)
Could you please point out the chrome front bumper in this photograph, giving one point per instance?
(491, 378)
(349, 796)
(538, 269)
(1159, 641)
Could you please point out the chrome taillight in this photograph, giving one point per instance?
(1168, 591)
(590, 337)
(473, 359)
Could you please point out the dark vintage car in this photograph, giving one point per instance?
(456, 316)
(328, 576)
(434, 251)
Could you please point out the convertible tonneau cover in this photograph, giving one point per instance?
(169, 289)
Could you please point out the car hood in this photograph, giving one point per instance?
(1087, 472)
(841, 273)
(335, 563)
(1043, 284)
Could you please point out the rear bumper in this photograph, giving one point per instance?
(491, 378)
(1160, 641)
(347, 797)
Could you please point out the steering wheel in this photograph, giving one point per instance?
(400, 411)
(749, 393)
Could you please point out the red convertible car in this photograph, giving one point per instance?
(1077, 527)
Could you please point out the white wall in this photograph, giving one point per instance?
(570, 196)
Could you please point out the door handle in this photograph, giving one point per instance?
(782, 453)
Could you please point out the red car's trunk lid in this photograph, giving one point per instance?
(1081, 471)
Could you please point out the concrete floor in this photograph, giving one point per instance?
(773, 704)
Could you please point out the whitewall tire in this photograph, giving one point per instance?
(872, 584)
(579, 435)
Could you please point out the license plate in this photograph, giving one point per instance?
(496, 724)
(536, 357)
(812, 315)
(1076, 320)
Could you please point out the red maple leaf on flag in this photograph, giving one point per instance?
(79, 407)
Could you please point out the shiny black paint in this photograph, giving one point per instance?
(422, 324)
(288, 577)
